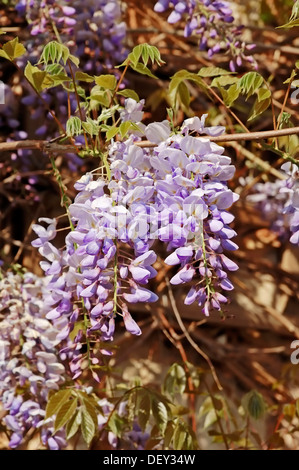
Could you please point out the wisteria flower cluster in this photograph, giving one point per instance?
(94, 27)
(94, 31)
(175, 193)
(279, 202)
(30, 366)
(213, 22)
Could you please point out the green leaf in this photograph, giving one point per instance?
(289, 25)
(73, 425)
(88, 427)
(90, 408)
(108, 113)
(143, 70)
(210, 418)
(144, 52)
(74, 126)
(293, 75)
(116, 424)
(54, 69)
(106, 81)
(175, 89)
(184, 94)
(124, 128)
(99, 96)
(12, 49)
(144, 410)
(127, 93)
(263, 94)
(254, 404)
(65, 413)
(54, 52)
(84, 77)
(56, 401)
(232, 94)
(213, 72)
(224, 81)
(250, 82)
(111, 132)
(179, 437)
(75, 60)
(90, 126)
(39, 79)
(168, 433)
(175, 380)
(259, 108)
(160, 414)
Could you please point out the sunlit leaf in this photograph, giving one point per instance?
(56, 401)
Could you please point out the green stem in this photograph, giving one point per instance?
(78, 100)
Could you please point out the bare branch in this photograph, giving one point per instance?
(238, 137)
(42, 145)
(47, 146)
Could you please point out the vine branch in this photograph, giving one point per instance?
(47, 146)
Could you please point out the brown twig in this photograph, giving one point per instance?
(54, 147)
(43, 145)
(237, 137)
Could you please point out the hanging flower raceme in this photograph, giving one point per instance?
(213, 23)
(278, 201)
(30, 366)
(176, 193)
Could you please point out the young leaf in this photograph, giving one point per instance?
(124, 128)
(231, 94)
(254, 404)
(39, 79)
(112, 132)
(65, 413)
(213, 72)
(74, 126)
(91, 126)
(90, 408)
(262, 94)
(88, 427)
(259, 108)
(116, 424)
(143, 70)
(12, 49)
(84, 77)
(175, 380)
(144, 409)
(54, 52)
(250, 83)
(160, 414)
(127, 93)
(168, 433)
(224, 81)
(106, 81)
(184, 94)
(73, 425)
(74, 59)
(99, 96)
(56, 401)
(290, 24)
(179, 437)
